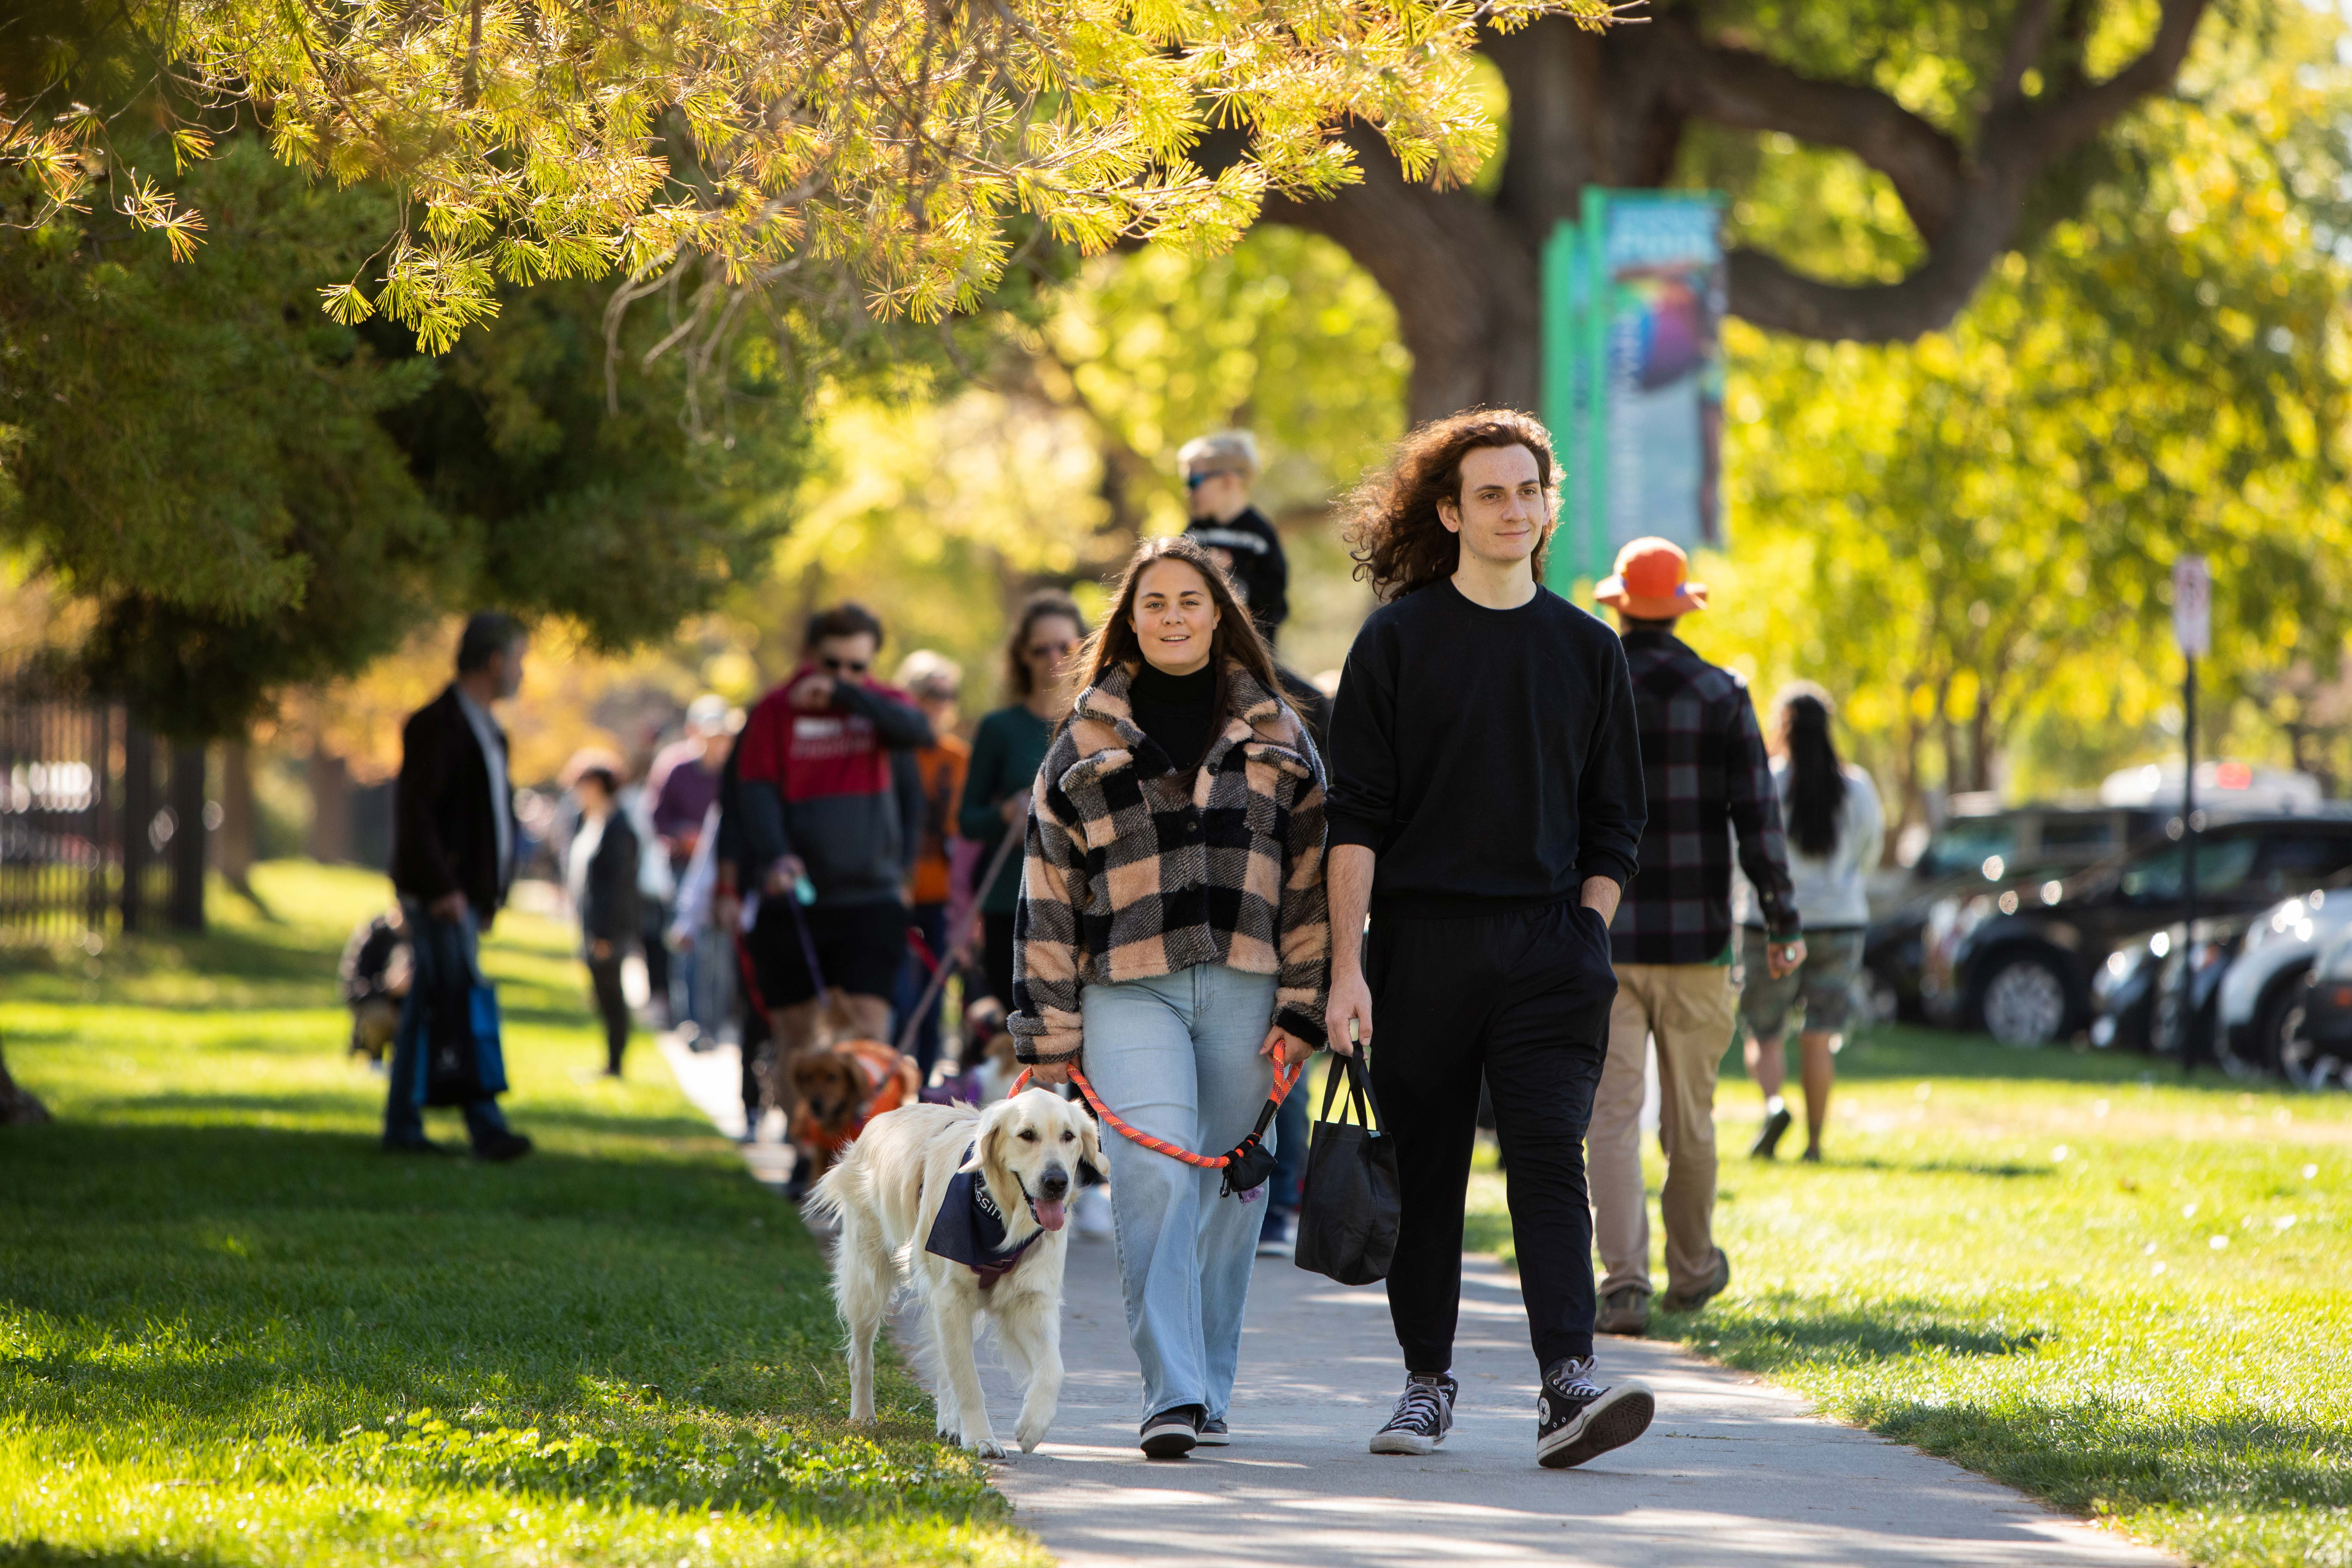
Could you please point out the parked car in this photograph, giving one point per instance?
(2019, 962)
(2138, 1000)
(2316, 1050)
(1980, 845)
(2262, 996)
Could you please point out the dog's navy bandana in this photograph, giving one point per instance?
(971, 1229)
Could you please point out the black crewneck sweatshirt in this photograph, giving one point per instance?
(1177, 712)
(1490, 758)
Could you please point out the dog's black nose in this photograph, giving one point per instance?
(1055, 1182)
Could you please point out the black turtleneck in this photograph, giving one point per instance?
(1177, 712)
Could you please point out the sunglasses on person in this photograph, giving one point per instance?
(1050, 649)
(1194, 481)
(844, 665)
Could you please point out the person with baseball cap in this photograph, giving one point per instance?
(1707, 778)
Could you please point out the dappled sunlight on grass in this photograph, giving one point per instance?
(233, 1332)
(2071, 1272)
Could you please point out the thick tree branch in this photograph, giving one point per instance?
(2027, 37)
(1461, 273)
(1979, 207)
(1748, 91)
(2056, 125)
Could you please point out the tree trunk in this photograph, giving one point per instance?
(1610, 110)
(18, 1108)
(330, 839)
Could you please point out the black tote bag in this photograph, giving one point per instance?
(1348, 1219)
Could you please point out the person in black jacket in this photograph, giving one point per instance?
(601, 873)
(452, 856)
(1486, 812)
(1219, 470)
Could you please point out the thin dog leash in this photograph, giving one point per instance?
(954, 944)
(751, 974)
(1282, 1086)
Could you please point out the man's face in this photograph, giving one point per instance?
(506, 669)
(1503, 510)
(1216, 495)
(848, 658)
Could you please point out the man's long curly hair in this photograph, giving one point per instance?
(1399, 543)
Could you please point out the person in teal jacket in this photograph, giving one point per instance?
(1006, 751)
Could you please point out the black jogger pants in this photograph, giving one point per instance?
(1522, 998)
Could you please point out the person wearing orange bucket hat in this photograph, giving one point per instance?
(1707, 779)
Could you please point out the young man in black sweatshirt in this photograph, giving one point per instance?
(1485, 806)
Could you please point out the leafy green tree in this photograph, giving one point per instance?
(890, 141)
(1972, 535)
(1968, 123)
(250, 496)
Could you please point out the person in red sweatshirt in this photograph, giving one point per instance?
(832, 819)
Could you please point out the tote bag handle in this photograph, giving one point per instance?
(1360, 1091)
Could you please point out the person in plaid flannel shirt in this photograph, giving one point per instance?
(1707, 778)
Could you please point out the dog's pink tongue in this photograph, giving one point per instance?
(1051, 1213)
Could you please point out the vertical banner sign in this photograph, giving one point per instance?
(1633, 375)
(2193, 606)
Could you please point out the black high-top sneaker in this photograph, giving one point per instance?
(1424, 1413)
(1173, 1433)
(1577, 1419)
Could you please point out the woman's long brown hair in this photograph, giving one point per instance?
(1235, 638)
(1045, 604)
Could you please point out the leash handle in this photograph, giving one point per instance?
(1286, 1079)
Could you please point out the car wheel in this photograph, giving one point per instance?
(2024, 1002)
(2278, 1019)
(2300, 1061)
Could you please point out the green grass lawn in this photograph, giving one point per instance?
(2067, 1271)
(232, 1331)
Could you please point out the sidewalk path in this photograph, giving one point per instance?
(1734, 1471)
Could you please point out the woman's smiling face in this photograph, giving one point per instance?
(1175, 618)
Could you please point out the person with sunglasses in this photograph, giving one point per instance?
(832, 810)
(1219, 470)
(1007, 751)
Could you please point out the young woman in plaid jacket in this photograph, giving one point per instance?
(1172, 930)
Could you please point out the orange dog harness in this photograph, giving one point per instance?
(886, 1090)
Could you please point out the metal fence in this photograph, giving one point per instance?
(101, 828)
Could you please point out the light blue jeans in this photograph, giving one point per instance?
(1176, 1057)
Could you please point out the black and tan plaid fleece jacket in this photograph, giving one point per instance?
(1133, 870)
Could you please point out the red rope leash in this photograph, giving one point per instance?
(1282, 1086)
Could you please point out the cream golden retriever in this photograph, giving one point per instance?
(970, 1207)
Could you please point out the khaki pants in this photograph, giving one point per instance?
(1688, 1008)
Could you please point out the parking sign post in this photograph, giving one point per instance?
(2192, 629)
